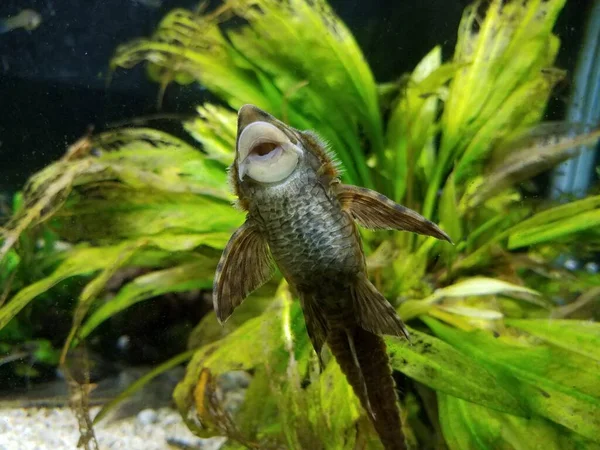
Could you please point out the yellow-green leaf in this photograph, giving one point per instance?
(556, 384)
(468, 426)
(579, 336)
(441, 367)
(477, 286)
(196, 275)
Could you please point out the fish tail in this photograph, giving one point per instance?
(363, 358)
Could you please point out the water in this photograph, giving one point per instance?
(133, 223)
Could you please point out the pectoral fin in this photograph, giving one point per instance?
(373, 210)
(373, 312)
(245, 265)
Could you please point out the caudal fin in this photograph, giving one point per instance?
(363, 358)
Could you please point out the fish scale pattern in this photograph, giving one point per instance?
(310, 236)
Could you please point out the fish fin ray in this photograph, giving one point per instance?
(245, 265)
(361, 377)
(316, 325)
(375, 211)
(371, 380)
(373, 312)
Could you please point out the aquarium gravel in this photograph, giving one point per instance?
(56, 428)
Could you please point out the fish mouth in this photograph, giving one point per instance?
(265, 153)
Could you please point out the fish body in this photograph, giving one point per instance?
(303, 219)
(310, 237)
(27, 19)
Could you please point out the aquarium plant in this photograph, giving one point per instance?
(504, 351)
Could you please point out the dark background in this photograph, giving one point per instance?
(52, 80)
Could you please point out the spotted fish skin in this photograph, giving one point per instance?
(301, 218)
(311, 239)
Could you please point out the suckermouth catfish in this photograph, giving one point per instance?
(302, 218)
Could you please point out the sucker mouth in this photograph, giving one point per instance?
(264, 151)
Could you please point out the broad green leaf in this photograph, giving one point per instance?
(250, 345)
(210, 330)
(579, 336)
(332, 390)
(475, 313)
(513, 109)
(196, 275)
(467, 426)
(477, 286)
(138, 157)
(544, 223)
(259, 414)
(441, 367)
(556, 384)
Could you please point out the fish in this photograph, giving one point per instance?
(28, 19)
(301, 218)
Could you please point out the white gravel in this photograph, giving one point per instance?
(56, 429)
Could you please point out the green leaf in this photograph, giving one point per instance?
(450, 220)
(579, 336)
(332, 390)
(467, 426)
(259, 409)
(411, 124)
(44, 352)
(441, 367)
(196, 275)
(94, 287)
(47, 190)
(268, 63)
(88, 260)
(477, 286)
(553, 231)
(80, 262)
(237, 351)
(134, 212)
(556, 384)
(148, 158)
(559, 213)
(216, 129)
(504, 84)
(210, 330)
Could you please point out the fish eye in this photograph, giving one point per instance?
(265, 153)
